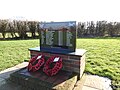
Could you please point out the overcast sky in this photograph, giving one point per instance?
(61, 10)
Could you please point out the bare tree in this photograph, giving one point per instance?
(3, 24)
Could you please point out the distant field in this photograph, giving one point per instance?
(103, 55)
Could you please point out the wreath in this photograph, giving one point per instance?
(36, 62)
(52, 65)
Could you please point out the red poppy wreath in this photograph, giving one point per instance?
(53, 65)
(36, 62)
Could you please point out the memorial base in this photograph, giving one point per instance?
(72, 62)
(40, 81)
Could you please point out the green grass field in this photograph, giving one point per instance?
(103, 55)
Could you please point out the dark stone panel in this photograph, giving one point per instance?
(58, 36)
(39, 80)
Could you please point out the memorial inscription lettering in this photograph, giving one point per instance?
(58, 36)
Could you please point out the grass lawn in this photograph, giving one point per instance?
(15, 51)
(103, 55)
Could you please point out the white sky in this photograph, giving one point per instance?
(61, 10)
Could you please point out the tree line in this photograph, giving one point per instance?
(98, 29)
(19, 29)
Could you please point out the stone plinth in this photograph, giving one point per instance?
(72, 62)
(40, 81)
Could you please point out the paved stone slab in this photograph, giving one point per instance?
(98, 82)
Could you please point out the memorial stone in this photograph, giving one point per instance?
(58, 36)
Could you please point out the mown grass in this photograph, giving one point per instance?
(15, 51)
(103, 55)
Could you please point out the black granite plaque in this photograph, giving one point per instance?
(58, 36)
